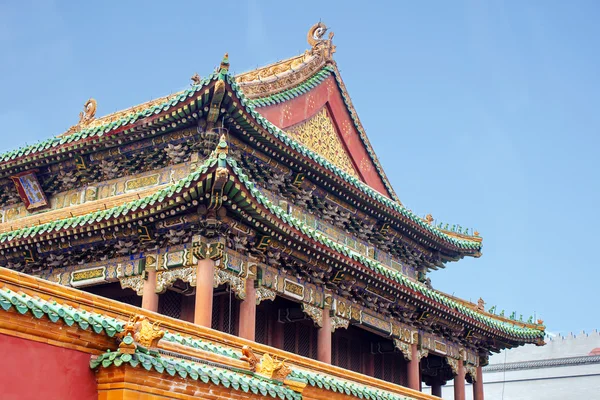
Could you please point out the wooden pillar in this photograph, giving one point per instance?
(436, 388)
(149, 295)
(247, 320)
(459, 382)
(324, 338)
(478, 385)
(413, 370)
(205, 276)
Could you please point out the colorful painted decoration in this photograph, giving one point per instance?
(30, 190)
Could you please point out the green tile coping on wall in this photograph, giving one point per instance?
(197, 372)
(334, 384)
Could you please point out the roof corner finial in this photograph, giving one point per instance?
(196, 79)
(224, 67)
(318, 43)
(429, 219)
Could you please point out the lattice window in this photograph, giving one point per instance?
(289, 337)
(313, 343)
(356, 356)
(225, 313)
(303, 340)
(300, 339)
(343, 352)
(378, 367)
(388, 367)
(261, 327)
(169, 304)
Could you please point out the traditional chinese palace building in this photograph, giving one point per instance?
(238, 239)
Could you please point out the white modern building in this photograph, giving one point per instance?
(565, 368)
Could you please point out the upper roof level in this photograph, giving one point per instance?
(302, 101)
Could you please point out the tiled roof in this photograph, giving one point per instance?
(336, 385)
(197, 372)
(23, 303)
(201, 173)
(98, 131)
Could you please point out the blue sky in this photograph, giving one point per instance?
(482, 114)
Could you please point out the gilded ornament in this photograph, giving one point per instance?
(147, 334)
(338, 322)
(236, 283)
(453, 365)
(320, 135)
(405, 348)
(315, 313)
(133, 282)
(472, 371)
(143, 332)
(165, 279)
(263, 293)
(249, 357)
(88, 114)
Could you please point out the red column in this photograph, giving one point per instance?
(149, 296)
(413, 370)
(247, 321)
(205, 275)
(324, 339)
(478, 385)
(459, 382)
(436, 389)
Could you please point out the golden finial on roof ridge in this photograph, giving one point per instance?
(429, 219)
(89, 112)
(317, 42)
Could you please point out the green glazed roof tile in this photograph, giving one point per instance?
(197, 372)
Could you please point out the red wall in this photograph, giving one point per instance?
(32, 370)
(305, 106)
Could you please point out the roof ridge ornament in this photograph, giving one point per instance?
(196, 79)
(89, 112)
(85, 117)
(318, 43)
(224, 67)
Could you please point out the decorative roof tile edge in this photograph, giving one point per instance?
(186, 182)
(24, 303)
(282, 136)
(376, 266)
(336, 385)
(201, 344)
(278, 133)
(314, 81)
(102, 129)
(196, 372)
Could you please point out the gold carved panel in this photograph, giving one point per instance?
(320, 135)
